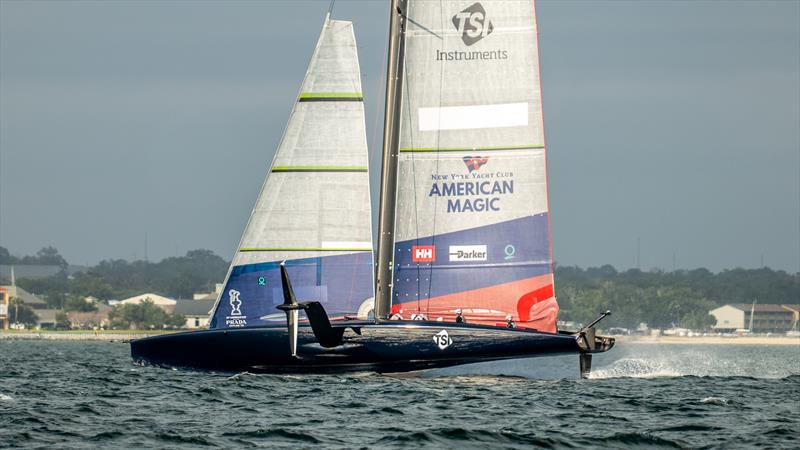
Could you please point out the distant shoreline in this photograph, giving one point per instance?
(711, 340)
(77, 335)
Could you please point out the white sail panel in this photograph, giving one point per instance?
(471, 168)
(313, 211)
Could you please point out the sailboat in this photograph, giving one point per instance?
(464, 269)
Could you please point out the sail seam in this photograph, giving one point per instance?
(319, 169)
(331, 97)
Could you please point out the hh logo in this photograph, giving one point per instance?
(475, 162)
(423, 253)
(472, 24)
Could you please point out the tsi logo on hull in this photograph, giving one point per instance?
(460, 253)
(442, 340)
(423, 253)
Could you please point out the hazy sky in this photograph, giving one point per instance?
(674, 122)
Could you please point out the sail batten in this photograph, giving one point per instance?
(313, 212)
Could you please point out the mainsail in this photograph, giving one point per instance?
(471, 219)
(313, 211)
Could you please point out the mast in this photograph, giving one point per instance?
(391, 133)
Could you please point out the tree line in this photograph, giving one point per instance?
(175, 277)
(660, 299)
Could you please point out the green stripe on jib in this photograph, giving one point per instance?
(331, 95)
(282, 249)
(469, 149)
(319, 169)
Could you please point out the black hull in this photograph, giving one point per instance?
(381, 347)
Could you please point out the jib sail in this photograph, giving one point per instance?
(471, 223)
(314, 209)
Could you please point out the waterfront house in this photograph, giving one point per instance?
(767, 318)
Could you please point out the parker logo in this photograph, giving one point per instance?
(475, 162)
(472, 24)
(423, 253)
(460, 253)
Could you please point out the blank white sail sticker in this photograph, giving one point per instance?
(472, 117)
(347, 245)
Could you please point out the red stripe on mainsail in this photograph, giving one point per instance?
(529, 301)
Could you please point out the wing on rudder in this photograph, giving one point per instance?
(314, 209)
(472, 221)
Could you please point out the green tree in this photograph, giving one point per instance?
(145, 315)
(51, 289)
(19, 312)
(62, 321)
(76, 303)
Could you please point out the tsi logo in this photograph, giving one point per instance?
(472, 24)
(442, 339)
(467, 253)
(423, 253)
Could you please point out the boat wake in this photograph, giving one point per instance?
(701, 362)
(636, 368)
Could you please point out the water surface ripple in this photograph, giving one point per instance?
(89, 394)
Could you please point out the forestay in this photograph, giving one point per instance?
(472, 222)
(313, 210)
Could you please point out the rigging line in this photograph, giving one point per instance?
(438, 160)
(421, 25)
(330, 8)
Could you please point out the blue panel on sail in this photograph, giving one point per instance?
(471, 259)
(342, 283)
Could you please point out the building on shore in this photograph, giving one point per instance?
(165, 303)
(45, 316)
(196, 312)
(766, 318)
(90, 320)
(209, 295)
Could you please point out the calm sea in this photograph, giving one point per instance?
(89, 395)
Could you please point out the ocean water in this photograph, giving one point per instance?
(89, 395)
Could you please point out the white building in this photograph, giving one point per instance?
(196, 312)
(162, 302)
(767, 318)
